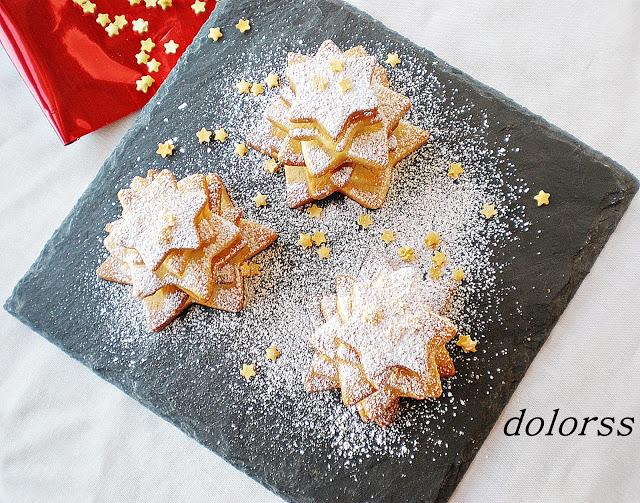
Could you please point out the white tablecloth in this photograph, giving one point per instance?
(67, 436)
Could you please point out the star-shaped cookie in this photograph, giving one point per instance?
(383, 338)
(206, 272)
(331, 107)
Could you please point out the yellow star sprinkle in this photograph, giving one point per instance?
(320, 82)
(260, 200)
(272, 353)
(435, 272)
(324, 251)
(542, 198)
(142, 58)
(141, 26)
(467, 344)
(165, 149)
(270, 165)
(243, 25)
(241, 149)
(147, 45)
(134, 2)
(305, 240)
(455, 170)
(150, 3)
(432, 239)
(457, 274)
(153, 65)
(344, 85)
(103, 20)
(220, 135)
(144, 83)
(407, 254)
(171, 47)
(199, 7)
(393, 59)
(120, 21)
(336, 65)
(488, 210)
(215, 34)
(272, 80)
(243, 87)
(248, 371)
(439, 258)
(112, 30)
(364, 220)
(165, 4)
(248, 270)
(88, 7)
(257, 88)
(204, 135)
(315, 211)
(319, 238)
(388, 236)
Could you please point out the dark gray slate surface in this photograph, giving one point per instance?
(589, 193)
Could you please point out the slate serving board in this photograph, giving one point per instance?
(185, 380)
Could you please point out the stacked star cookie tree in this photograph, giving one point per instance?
(180, 242)
(382, 339)
(337, 127)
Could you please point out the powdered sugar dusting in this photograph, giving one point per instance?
(421, 198)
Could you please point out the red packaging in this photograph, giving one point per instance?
(82, 78)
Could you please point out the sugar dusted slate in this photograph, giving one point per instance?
(521, 265)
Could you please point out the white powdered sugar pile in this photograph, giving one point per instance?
(422, 198)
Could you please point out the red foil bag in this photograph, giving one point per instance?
(82, 78)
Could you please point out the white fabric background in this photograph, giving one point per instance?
(67, 436)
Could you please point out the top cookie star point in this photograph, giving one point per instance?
(160, 216)
(394, 307)
(347, 93)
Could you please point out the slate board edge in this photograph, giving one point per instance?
(614, 207)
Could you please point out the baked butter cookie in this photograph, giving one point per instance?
(180, 242)
(337, 127)
(381, 339)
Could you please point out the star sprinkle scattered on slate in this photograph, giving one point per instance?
(215, 34)
(388, 236)
(542, 198)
